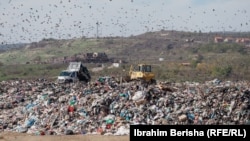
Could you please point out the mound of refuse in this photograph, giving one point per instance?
(43, 107)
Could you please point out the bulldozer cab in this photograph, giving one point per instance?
(143, 68)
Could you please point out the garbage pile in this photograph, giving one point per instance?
(106, 107)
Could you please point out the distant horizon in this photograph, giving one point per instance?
(214, 32)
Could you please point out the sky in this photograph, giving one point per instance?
(25, 21)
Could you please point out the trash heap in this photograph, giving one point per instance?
(106, 107)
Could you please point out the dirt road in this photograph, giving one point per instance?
(8, 136)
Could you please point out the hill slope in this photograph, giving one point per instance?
(185, 56)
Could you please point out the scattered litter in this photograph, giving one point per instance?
(41, 107)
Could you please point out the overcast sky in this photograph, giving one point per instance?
(33, 20)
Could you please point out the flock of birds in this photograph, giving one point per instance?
(69, 19)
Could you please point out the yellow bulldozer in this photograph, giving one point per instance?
(142, 73)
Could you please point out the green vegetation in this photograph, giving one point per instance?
(221, 48)
(204, 61)
(29, 71)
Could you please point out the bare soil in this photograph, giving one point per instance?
(9, 136)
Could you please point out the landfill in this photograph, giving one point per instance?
(107, 107)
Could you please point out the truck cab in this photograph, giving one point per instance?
(67, 76)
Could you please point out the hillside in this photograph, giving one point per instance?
(185, 56)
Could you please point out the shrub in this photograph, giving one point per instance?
(109, 41)
(1, 64)
(222, 71)
(221, 48)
